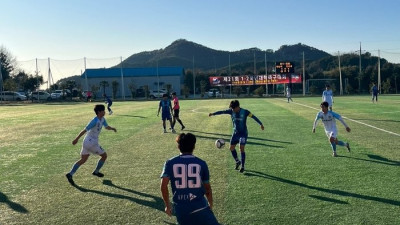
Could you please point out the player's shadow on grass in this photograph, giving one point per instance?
(156, 203)
(142, 117)
(326, 190)
(228, 136)
(248, 142)
(376, 159)
(13, 205)
(328, 199)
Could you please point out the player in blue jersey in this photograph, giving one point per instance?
(240, 134)
(165, 105)
(329, 120)
(190, 184)
(289, 94)
(90, 144)
(327, 96)
(374, 91)
(109, 103)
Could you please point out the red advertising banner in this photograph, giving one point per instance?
(254, 79)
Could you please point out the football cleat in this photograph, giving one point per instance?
(183, 127)
(70, 180)
(334, 154)
(237, 165)
(241, 170)
(98, 174)
(348, 147)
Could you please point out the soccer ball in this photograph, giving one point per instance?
(219, 143)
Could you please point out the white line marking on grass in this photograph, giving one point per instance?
(390, 132)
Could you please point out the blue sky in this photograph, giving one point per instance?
(99, 29)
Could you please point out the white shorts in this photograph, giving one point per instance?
(91, 146)
(331, 133)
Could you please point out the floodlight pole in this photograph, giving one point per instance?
(194, 82)
(266, 75)
(304, 76)
(122, 81)
(340, 75)
(379, 72)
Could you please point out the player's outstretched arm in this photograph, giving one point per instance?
(111, 128)
(79, 136)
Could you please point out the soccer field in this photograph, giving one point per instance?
(290, 177)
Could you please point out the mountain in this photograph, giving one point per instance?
(188, 54)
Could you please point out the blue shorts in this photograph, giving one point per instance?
(239, 138)
(166, 116)
(202, 217)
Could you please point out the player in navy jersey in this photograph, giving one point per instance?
(90, 144)
(329, 120)
(190, 184)
(327, 96)
(374, 91)
(165, 105)
(240, 134)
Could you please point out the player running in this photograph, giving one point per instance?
(176, 111)
(240, 134)
(90, 144)
(109, 103)
(190, 181)
(329, 120)
(327, 96)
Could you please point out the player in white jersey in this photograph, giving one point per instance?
(329, 120)
(91, 143)
(327, 96)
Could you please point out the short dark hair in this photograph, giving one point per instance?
(98, 108)
(186, 142)
(234, 104)
(327, 85)
(326, 104)
(164, 95)
(173, 93)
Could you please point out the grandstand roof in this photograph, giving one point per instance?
(133, 72)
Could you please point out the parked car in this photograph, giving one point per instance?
(157, 94)
(57, 94)
(40, 95)
(213, 92)
(12, 96)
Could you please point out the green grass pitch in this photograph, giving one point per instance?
(290, 177)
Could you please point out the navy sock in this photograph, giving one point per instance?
(333, 144)
(75, 167)
(243, 154)
(100, 164)
(234, 154)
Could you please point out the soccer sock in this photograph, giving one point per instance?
(243, 155)
(341, 143)
(180, 121)
(100, 164)
(75, 167)
(333, 144)
(234, 154)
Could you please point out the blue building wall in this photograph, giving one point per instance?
(153, 77)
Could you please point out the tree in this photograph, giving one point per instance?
(104, 84)
(132, 88)
(185, 91)
(259, 91)
(386, 86)
(114, 86)
(94, 90)
(203, 85)
(10, 85)
(7, 63)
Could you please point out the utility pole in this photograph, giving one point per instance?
(359, 74)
